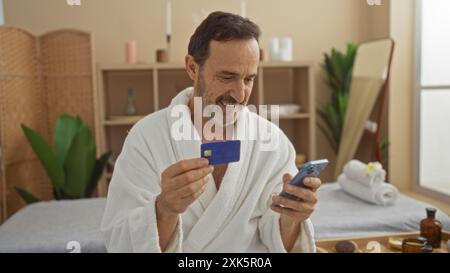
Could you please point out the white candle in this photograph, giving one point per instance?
(168, 17)
(243, 8)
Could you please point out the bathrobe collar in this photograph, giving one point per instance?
(212, 204)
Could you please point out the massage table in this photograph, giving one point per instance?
(50, 226)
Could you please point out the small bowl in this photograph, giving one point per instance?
(395, 243)
(416, 245)
(287, 109)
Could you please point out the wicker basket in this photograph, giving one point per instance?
(40, 79)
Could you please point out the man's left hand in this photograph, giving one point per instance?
(297, 211)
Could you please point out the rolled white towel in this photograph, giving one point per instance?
(369, 174)
(383, 194)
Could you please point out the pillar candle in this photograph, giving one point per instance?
(131, 52)
(168, 17)
(243, 9)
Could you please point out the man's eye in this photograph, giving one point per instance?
(227, 78)
(249, 80)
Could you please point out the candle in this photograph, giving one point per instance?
(168, 17)
(243, 8)
(131, 52)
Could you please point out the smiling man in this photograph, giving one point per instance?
(164, 198)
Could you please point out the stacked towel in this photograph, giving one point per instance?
(367, 182)
(371, 174)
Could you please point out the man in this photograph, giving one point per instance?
(164, 198)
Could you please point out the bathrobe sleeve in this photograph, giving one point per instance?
(269, 226)
(129, 221)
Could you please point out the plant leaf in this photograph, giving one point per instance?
(342, 100)
(26, 196)
(328, 136)
(338, 68)
(100, 165)
(332, 121)
(79, 163)
(384, 147)
(65, 130)
(45, 154)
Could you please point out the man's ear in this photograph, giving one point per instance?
(191, 67)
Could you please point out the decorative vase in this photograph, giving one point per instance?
(131, 107)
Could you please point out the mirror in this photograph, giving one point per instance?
(370, 74)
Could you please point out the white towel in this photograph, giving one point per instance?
(383, 194)
(369, 174)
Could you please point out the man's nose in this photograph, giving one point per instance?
(238, 92)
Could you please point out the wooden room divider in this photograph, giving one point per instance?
(40, 79)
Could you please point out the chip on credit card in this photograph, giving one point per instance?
(221, 152)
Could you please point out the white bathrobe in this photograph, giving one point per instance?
(235, 218)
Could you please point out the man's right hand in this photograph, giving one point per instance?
(182, 183)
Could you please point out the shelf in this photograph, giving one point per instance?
(156, 84)
(122, 120)
(295, 116)
(291, 116)
(140, 66)
(149, 66)
(125, 67)
(117, 83)
(281, 64)
(126, 120)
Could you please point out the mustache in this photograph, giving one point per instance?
(228, 100)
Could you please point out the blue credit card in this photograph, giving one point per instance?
(221, 152)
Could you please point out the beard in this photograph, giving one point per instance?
(229, 106)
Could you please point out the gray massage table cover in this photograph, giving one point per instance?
(339, 214)
(49, 226)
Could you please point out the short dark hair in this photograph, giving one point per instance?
(220, 26)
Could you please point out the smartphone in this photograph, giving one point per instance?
(309, 169)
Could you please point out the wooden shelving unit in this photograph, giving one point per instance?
(155, 85)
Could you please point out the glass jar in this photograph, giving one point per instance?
(431, 228)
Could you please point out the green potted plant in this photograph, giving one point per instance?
(338, 68)
(72, 165)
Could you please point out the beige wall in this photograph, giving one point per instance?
(318, 24)
(315, 25)
(376, 21)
